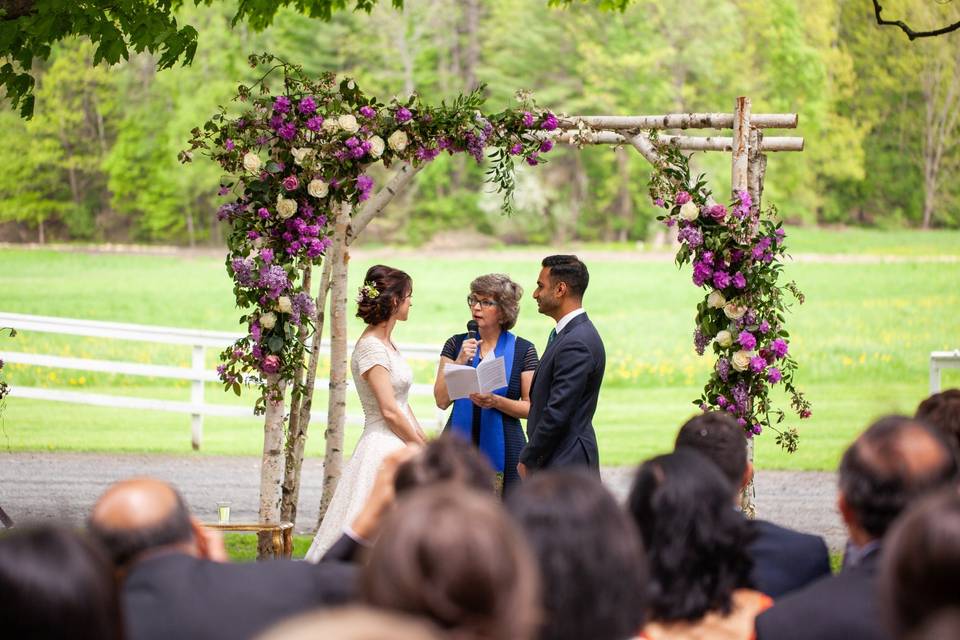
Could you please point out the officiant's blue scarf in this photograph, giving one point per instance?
(491, 420)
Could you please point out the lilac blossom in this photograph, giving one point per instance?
(691, 235)
(702, 272)
(242, 271)
(533, 160)
(229, 145)
(659, 203)
(739, 281)
(546, 146)
(301, 305)
(263, 212)
(747, 340)
(266, 255)
(723, 368)
(528, 119)
(757, 364)
(549, 122)
(516, 149)
(274, 279)
(721, 279)
(764, 327)
(700, 341)
(287, 131)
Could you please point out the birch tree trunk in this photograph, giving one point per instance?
(271, 465)
(297, 434)
(336, 409)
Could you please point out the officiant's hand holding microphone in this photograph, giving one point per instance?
(469, 347)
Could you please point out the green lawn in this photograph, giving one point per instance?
(863, 340)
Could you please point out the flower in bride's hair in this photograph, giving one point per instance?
(368, 292)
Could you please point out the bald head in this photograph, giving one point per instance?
(894, 461)
(138, 515)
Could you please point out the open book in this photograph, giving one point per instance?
(462, 380)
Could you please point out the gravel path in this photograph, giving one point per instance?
(38, 486)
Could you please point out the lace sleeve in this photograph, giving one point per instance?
(369, 353)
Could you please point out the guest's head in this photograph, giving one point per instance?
(591, 560)
(942, 412)
(448, 458)
(718, 437)
(452, 555)
(895, 461)
(353, 623)
(385, 293)
(696, 542)
(54, 583)
(920, 575)
(560, 285)
(142, 514)
(495, 301)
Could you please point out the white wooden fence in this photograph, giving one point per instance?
(197, 374)
(940, 360)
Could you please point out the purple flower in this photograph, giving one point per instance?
(252, 235)
(721, 401)
(516, 149)
(546, 146)
(287, 131)
(774, 375)
(271, 364)
(528, 119)
(682, 197)
(242, 271)
(352, 142)
(276, 122)
(357, 152)
(700, 341)
(263, 212)
(307, 106)
(721, 279)
(281, 104)
(764, 327)
(781, 234)
(779, 348)
(274, 279)
(315, 123)
(255, 332)
(746, 340)
(533, 160)
(290, 183)
(266, 255)
(222, 191)
(757, 364)
(549, 122)
(368, 112)
(230, 146)
(739, 281)
(806, 413)
(756, 429)
(659, 203)
(402, 115)
(741, 422)
(691, 235)
(702, 272)
(717, 212)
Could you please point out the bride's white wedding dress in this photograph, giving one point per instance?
(375, 444)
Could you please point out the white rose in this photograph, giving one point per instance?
(251, 162)
(376, 146)
(284, 305)
(724, 338)
(741, 360)
(286, 207)
(716, 300)
(690, 211)
(398, 140)
(348, 123)
(734, 311)
(318, 188)
(331, 125)
(268, 320)
(301, 156)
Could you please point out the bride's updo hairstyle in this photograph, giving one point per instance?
(384, 288)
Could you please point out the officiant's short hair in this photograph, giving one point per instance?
(571, 271)
(505, 291)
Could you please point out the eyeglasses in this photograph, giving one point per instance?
(473, 301)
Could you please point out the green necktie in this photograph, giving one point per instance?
(552, 336)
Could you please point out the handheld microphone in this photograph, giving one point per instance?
(472, 328)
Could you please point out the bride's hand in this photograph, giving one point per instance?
(468, 350)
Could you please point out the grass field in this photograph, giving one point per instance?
(863, 339)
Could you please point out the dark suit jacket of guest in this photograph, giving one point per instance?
(178, 596)
(563, 399)
(785, 560)
(840, 607)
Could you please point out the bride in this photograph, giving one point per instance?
(383, 380)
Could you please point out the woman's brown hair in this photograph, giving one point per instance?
(384, 288)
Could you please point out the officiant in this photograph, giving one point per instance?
(491, 421)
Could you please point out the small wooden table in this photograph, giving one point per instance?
(281, 535)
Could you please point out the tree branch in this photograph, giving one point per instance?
(13, 9)
(913, 35)
(378, 202)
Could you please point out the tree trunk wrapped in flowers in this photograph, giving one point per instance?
(736, 252)
(291, 161)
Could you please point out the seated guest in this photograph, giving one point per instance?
(592, 567)
(448, 458)
(174, 584)
(920, 570)
(54, 583)
(453, 556)
(696, 546)
(783, 560)
(895, 461)
(353, 623)
(942, 412)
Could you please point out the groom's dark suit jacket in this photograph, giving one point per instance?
(563, 398)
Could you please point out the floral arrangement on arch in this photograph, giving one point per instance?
(291, 159)
(737, 253)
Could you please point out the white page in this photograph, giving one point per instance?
(492, 374)
(461, 381)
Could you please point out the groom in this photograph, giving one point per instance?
(563, 397)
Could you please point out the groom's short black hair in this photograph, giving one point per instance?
(569, 270)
